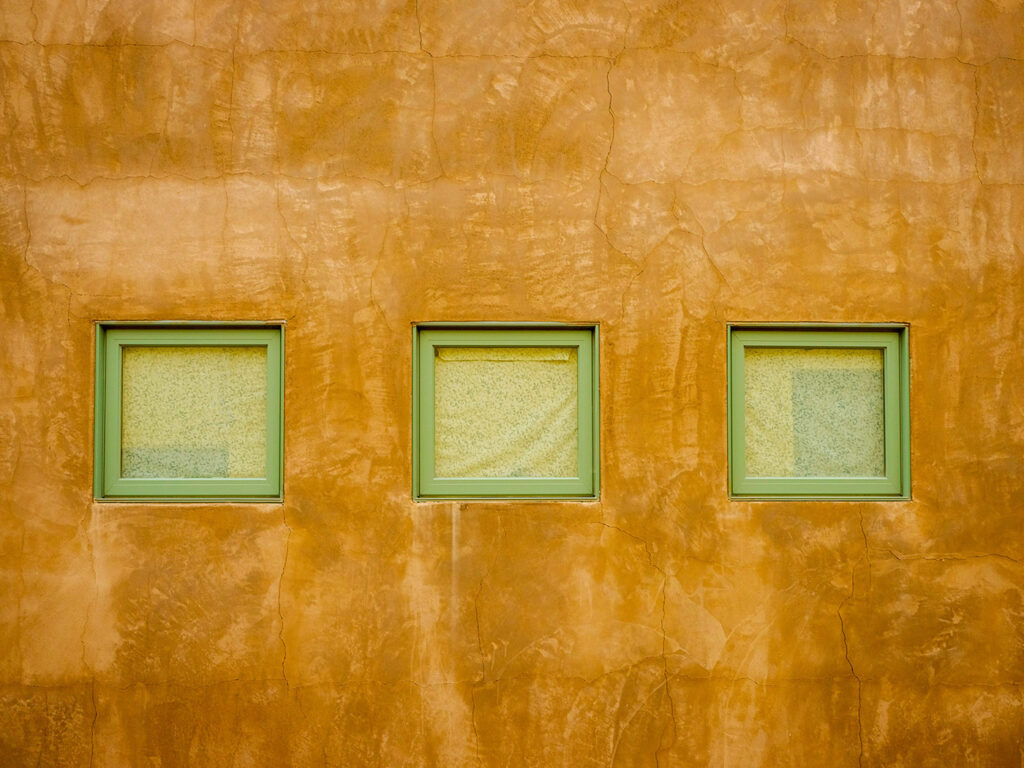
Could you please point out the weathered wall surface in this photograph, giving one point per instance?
(661, 168)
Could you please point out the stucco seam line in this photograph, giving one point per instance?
(112, 46)
(94, 599)
(379, 262)
(960, 26)
(400, 184)
(667, 676)
(711, 679)
(33, 268)
(280, 588)
(846, 653)
(522, 677)
(392, 185)
(479, 635)
(647, 547)
(419, 26)
(791, 39)
(418, 52)
(433, 119)
(472, 722)
(948, 556)
(21, 587)
(677, 205)
(867, 547)
(500, 55)
(92, 725)
(664, 634)
(974, 127)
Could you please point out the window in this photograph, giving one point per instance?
(505, 412)
(819, 412)
(189, 412)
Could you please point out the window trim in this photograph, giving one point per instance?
(111, 338)
(428, 336)
(892, 339)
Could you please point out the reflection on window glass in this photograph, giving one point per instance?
(505, 412)
(814, 412)
(193, 411)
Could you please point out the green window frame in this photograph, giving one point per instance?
(111, 342)
(427, 339)
(892, 340)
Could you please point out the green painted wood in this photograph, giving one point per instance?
(108, 483)
(426, 485)
(892, 340)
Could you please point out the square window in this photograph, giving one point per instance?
(819, 412)
(188, 412)
(505, 412)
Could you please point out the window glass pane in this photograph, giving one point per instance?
(814, 412)
(194, 411)
(505, 412)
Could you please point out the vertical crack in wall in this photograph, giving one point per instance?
(92, 726)
(28, 248)
(472, 720)
(611, 113)
(846, 653)
(280, 589)
(664, 662)
(977, 121)
(677, 206)
(419, 26)
(18, 601)
(433, 107)
(373, 276)
(664, 641)
(846, 643)
(604, 168)
(479, 636)
(84, 528)
(231, 95)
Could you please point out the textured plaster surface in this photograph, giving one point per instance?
(660, 168)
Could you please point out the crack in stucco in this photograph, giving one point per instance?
(664, 640)
(611, 114)
(789, 39)
(399, 185)
(479, 636)
(472, 721)
(625, 291)
(677, 205)
(280, 588)
(960, 25)
(433, 120)
(949, 556)
(419, 26)
(639, 265)
(849, 661)
(92, 726)
(668, 686)
(18, 601)
(83, 526)
(977, 122)
(373, 277)
(647, 547)
(32, 267)
(867, 547)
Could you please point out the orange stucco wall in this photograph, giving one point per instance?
(660, 168)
